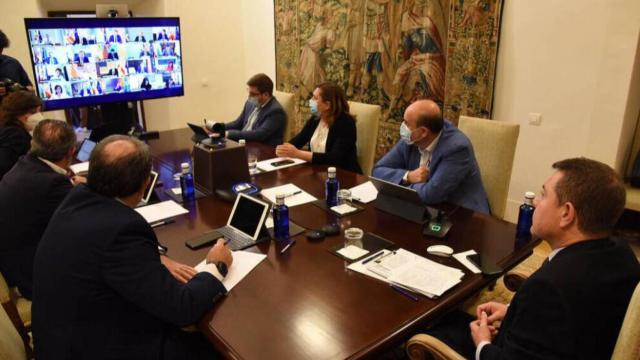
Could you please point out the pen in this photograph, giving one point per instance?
(373, 257)
(290, 244)
(404, 292)
(164, 222)
(293, 193)
(384, 256)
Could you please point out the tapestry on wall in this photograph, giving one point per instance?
(390, 52)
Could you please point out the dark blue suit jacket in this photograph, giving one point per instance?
(454, 175)
(100, 290)
(29, 195)
(15, 141)
(268, 127)
(572, 307)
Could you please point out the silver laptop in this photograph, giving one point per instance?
(149, 191)
(245, 226)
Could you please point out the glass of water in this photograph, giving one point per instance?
(353, 236)
(252, 160)
(344, 196)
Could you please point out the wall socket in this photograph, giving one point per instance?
(535, 119)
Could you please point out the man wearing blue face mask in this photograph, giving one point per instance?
(434, 158)
(262, 118)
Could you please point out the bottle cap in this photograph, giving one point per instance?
(185, 167)
(332, 172)
(529, 195)
(242, 142)
(280, 199)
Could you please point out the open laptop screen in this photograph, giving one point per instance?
(85, 150)
(248, 215)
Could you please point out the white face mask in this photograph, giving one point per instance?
(33, 120)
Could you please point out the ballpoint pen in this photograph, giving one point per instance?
(164, 222)
(373, 257)
(404, 292)
(290, 244)
(293, 194)
(385, 255)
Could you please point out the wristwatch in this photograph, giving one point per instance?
(405, 179)
(222, 268)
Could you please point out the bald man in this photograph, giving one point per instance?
(100, 289)
(434, 158)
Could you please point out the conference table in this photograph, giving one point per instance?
(305, 303)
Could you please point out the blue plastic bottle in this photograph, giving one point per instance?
(525, 217)
(280, 218)
(186, 183)
(331, 188)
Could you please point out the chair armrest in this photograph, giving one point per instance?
(424, 346)
(515, 278)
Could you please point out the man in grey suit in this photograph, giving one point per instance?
(262, 118)
(434, 158)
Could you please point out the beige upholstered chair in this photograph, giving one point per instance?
(12, 326)
(627, 347)
(628, 344)
(494, 143)
(367, 122)
(286, 100)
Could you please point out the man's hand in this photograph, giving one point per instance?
(480, 330)
(77, 180)
(286, 150)
(219, 252)
(495, 311)
(419, 175)
(181, 272)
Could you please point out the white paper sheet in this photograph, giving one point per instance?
(176, 191)
(161, 211)
(265, 165)
(80, 168)
(343, 209)
(364, 193)
(243, 263)
(352, 252)
(299, 198)
(462, 258)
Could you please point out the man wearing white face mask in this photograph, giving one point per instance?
(434, 158)
(16, 122)
(262, 118)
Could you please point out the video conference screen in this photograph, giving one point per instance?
(89, 61)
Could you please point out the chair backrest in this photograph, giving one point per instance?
(628, 344)
(494, 143)
(367, 122)
(286, 100)
(11, 345)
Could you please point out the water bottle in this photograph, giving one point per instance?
(280, 218)
(331, 188)
(186, 183)
(525, 217)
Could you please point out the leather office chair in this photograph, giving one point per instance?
(367, 122)
(287, 102)
(627, 347)
(12, 326)
(494, 143)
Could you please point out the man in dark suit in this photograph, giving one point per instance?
(29, 193)
(100, 290)
(574, 305)
(434, 158)
(262, 118)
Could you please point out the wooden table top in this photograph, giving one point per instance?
(305, 304)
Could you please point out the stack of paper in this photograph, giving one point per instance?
(266, 165)
(293, 195)
(412, 272)
(243, 263)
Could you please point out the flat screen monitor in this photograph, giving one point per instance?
(90, 61)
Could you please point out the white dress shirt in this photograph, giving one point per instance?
(318, 142)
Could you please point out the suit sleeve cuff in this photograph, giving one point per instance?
(211, 269)
(479, 348)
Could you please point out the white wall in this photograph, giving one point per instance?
(259, 38)
(572, 61)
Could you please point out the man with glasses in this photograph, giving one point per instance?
(434, 158)
(262, 118)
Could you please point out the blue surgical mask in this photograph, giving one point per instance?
(252, 100)
(313, 106)
(405, 134)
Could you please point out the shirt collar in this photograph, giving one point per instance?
(554, 253)
(429, 149)
(54, 167)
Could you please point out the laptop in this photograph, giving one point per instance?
(245, 226)
(149, 190)
(397, 191)
(85, 150)
(401, 201)
(199, 133)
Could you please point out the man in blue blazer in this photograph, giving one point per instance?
(100, 289)
(434, 158)
(262, 118)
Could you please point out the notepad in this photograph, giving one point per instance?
(300, 197)
(352, 252)
(80, 168)
(243, 263)
(364, 193)
(161, 211)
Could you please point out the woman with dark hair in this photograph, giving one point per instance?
(15, 125)
(145, 84)
(330, 132)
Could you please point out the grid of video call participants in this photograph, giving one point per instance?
(75, 63)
